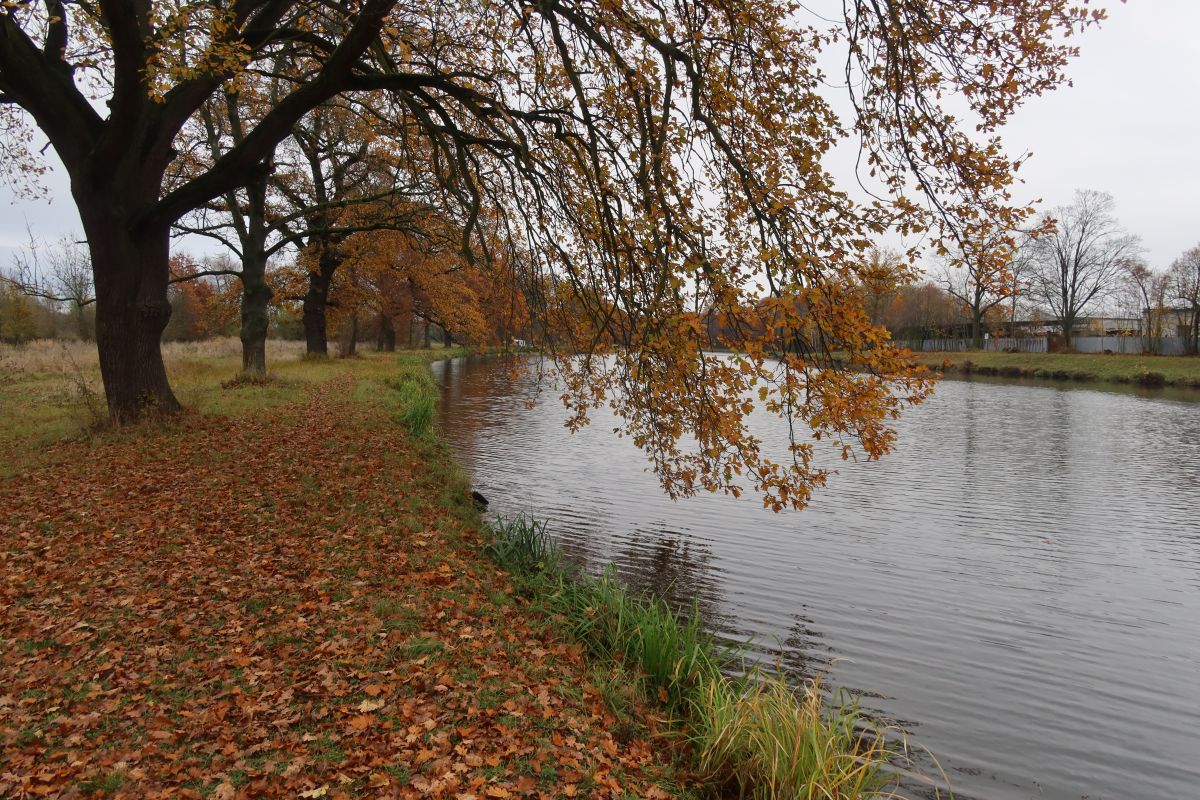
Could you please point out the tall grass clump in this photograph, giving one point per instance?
(418, 399)
(752, 733)
(770, 740)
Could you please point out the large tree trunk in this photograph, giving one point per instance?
(425, 335)
(314, 316)
(256, 294)
(131, 273)
(351, 346)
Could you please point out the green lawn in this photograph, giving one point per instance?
(1174, 370)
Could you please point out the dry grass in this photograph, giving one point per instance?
(775, 741)
(51, 390)
(68, 356)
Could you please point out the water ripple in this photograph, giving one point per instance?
(1019, 583)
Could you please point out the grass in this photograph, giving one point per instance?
(282, 592)
(369, 539)
(752, 734)
(1182, 371)
(51, 390)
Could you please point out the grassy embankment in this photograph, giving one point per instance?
(285, 592)
(1181, 371)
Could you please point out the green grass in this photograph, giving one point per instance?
(1135, 369)
(52, 391)
(749, 731)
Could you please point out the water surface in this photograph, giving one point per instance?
(1018, 585)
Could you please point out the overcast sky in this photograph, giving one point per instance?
(1129, 126)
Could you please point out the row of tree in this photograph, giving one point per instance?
(616, 167)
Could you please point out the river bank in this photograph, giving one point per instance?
(1138, 370)
(283, 593)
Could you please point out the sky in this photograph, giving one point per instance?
(1128, 126)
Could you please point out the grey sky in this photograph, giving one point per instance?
(1128, 126)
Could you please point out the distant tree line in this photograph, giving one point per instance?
(1074, 260)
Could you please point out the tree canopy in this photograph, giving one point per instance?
(645, 163)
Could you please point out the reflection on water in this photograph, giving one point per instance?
(1018, 585)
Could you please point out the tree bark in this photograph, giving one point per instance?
(316, 300)
(387, 334)
(256, 294)
(976, 329)
(425, 335)
(131, 273)
(256, 299)
(351, 348)
(314, 316)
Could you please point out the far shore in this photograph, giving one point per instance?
(1138, 370)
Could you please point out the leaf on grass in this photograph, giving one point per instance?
(370, 705)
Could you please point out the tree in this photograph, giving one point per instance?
(151, 66)
(884, 273)
(1082, 259)
(978, 273)
(60, 273)
(1147, 291)
(644, 162)
(17, 319)
(331, 166)
(923, 311)
(1184, 286)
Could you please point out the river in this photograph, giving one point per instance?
(1017, 586)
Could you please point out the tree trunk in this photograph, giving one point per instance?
(425, 340)
(81, 327)
(351, 348)
(448, 338)
(976, 329)
(316, 300)
(256, 299)
(131, 273)
(387, 334)
(256, 294)
(314, 317)
(1193, 342)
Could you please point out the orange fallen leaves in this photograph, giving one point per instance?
(235, 608)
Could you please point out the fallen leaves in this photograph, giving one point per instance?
(264, 624)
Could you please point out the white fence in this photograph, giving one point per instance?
(1029, 344)
(1164, 345)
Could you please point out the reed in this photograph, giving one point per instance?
(751, 732)
(772, 740)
